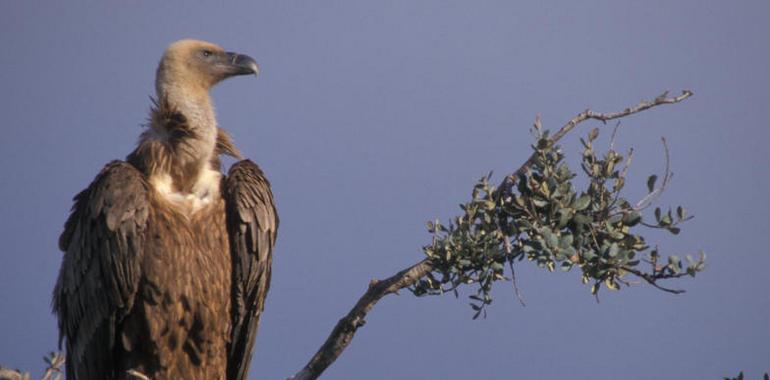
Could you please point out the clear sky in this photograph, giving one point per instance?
(372, 117)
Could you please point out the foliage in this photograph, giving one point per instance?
(740, 377)
(543, 218)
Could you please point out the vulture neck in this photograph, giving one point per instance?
(195, 105)
(179, 151)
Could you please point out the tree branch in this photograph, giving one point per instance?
(346, 328)
(54, 361)
(10, 374)
(343, 333)
(603, 117)
(653, 279)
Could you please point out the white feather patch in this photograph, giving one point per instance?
(205, 190)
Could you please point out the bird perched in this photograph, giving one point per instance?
(166, 260)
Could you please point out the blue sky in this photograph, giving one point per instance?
(371, 118)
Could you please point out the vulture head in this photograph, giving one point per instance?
(195, 66)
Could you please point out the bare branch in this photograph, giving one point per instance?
(10, 374)
(343, 333)
(604, 117)
(346, 328)
(54, 360)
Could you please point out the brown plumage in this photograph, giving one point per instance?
(167, 261)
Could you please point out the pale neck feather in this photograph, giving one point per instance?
(195, 151)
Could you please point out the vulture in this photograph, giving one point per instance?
(166, 259)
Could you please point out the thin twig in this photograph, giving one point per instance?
(603, 117)
(10, 374)
(515, 285)
(614, 135)
(667, 175)
(55, 361)
(653, 280)
(627, 164)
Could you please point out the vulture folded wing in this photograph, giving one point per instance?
(252, 223)
(102, 243)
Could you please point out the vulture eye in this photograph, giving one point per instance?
(207, 53)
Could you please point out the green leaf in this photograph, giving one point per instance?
(582, 202)
(617, 235)
(651, 182)
(632, 218)
(593, 134)
(666, 220)
(581, 220)
(550, 238)
(680, 212)
(545, 190)
(615, 218)
(543, 143)
(674, 263)
(609, 168)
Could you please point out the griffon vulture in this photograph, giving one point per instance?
(166, 260)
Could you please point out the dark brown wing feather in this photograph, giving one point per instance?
(252, 223)
(102, 241)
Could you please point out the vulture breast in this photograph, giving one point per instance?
(183, 301)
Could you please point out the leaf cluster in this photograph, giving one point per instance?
(740, 377)
(543, 218)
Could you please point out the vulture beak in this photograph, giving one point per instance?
(241, 64)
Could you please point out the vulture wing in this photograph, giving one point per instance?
(252, 224)
(102, 243)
